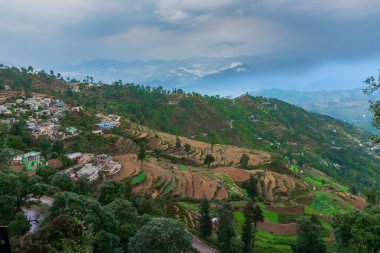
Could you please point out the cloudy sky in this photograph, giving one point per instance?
(302, 43)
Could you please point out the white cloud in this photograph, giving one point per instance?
(174, 11)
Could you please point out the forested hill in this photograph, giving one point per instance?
(290, 133)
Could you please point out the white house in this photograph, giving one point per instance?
(90, 171)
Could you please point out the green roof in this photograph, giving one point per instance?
(32, 153)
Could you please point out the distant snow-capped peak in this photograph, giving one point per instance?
(198, 73)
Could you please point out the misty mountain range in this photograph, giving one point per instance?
(351, 106)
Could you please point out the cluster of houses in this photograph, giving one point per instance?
(108, 121)
(92, 167)
(44, 116)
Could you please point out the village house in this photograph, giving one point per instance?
(91, 172)
(59, 103)
(31, 160)
(4, 110)
(75, 156)
(105, 125)
(8, 121)
(71, 130)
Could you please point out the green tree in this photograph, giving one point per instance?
(161, 235)
(253, 214)
(309, 239)
(373, 84)
(10, 195)
(373, 196)
(126, 215)
(110, 191)
(187, 148)
(244, 159)
(142, 151)
(177, 142)
(83, 186)
(93, 217)
(209, 159)
(251, 187)
(205, 223)
(226, 230)
(65, 233)
(358, 231)
(63, 182)
(19, 225)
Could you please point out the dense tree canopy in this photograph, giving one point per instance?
(358, 231)
(161, 235)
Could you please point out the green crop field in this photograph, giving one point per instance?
(325, 203)
(271, 243)
(189, 206)
(182, 167)
(239, 217)
(271, 216)
(294, 168)
(138, 178)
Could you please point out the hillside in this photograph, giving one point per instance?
(292, 134)
(302, 164)
(351, 106)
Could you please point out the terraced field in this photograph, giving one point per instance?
(166, 143)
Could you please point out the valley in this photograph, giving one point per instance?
(175, 149)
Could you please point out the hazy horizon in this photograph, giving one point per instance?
(196, 45)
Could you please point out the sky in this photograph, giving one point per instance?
(296, 44)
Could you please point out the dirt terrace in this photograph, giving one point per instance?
(277, 228)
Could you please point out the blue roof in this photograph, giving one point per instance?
(105, 125)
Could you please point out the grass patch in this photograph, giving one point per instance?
(271, 216)
(169, 187)
(189, 206)
(313, 181)
(266, 242)
(231, 186)
(238, 204)
(160, 183)
(239, 217)
(138, 178)
(294, 168)
(288, 217)
(317, 180)
(182, 167)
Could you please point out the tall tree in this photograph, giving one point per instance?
(226, 230)
(373, 196)
(244, 159)
(373, 84)
(253, 214)
(251, 187)
(177, 142)
(309, 239)
(205, 222)
(187, 148)
(142, 152)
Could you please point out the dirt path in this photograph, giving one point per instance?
(202, 247)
